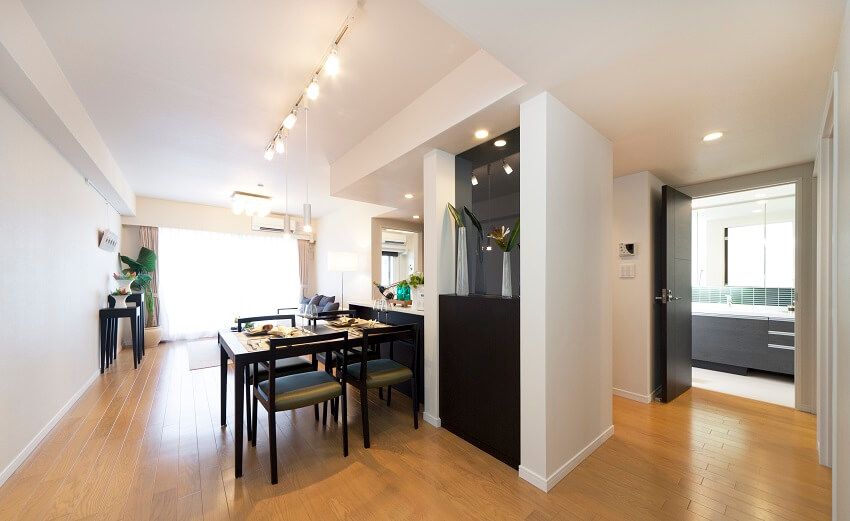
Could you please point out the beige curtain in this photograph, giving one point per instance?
(149, 236)
(305, 264)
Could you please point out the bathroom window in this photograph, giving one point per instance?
(745, 239)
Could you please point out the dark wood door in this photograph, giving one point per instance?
(673, 294)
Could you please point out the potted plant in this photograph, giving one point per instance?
(417, 293)
(144, 266)
(125, 279)
(120, 295)
(506, 239)
(462, 276)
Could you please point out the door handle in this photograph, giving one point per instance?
(663, 297)
(670, 295)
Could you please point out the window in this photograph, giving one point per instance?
(206, 279)
(389, 267)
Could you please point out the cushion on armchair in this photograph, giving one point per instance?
(315, 300)
(331, 306)
(324, 301)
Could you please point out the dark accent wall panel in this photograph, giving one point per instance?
(479, 372)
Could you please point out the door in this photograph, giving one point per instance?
(673, 294)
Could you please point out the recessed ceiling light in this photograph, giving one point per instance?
(474, 180)
(500, 142)
(416, 217)
(481, 134)
(408, 196)
(712, 136)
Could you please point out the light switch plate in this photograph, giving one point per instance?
(627, 271)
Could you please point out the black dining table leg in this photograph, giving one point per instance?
(238, 388)
(223, 385)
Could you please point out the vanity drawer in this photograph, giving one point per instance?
(783, 326)
(778, 338)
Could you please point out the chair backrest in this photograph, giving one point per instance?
(338, 313)
(375, 336)
(241, 321)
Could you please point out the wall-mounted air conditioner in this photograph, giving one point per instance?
(267, 224)
(394, 242)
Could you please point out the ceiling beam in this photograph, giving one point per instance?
(32, 80)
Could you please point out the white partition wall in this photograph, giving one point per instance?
(565, 310)
(637, 201)
(439, 189)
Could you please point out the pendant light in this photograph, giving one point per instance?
(308, 210)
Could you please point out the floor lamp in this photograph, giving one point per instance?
(342, 261)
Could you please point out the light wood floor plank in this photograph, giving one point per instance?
(146, 444)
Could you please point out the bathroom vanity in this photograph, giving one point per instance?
(737, 338)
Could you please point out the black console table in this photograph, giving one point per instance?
(479, 372)
(109, 329)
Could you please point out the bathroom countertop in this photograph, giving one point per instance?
(741, 310)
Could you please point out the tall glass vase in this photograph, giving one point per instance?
(507, 291)
(480, 272)
(462, 277)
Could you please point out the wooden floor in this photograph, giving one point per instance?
(146, 444)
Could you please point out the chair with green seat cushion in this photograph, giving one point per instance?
(381, 372)
(384, 372)
(285, 366)
(299, 390)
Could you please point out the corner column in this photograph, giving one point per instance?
(439, 189)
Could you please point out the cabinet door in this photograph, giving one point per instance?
(732, 341)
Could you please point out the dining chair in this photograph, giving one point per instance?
(294, 391)
(283, 366)
(384, 372)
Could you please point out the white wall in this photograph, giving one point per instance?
(566, 334)
(438, 175)
(54, 279)
(348, 229)
(636, 198)
(841, 369)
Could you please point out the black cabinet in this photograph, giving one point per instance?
(738, 343)
(479, 372)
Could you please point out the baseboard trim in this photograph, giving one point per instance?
(24, 454)
(433, 420)
(546, 484)
(642, 398)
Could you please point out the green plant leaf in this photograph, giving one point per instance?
(475, 221)
(514, 237)
(147, 260)
(457, 217)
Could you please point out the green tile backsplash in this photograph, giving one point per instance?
(750, 296)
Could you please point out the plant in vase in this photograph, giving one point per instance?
(417, 283)
(480, 272)
(144, 266)
(120, 295)
(506, 240)
(462, 276)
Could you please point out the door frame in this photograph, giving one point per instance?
(802, 176)
(826, 170)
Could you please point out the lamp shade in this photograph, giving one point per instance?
(342, 261)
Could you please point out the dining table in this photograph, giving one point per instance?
(244, 349)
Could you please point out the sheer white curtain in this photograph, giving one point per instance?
(206, 279)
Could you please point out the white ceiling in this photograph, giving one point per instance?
(655, 76)
(186, 94)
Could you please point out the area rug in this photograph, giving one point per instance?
(203, 353)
